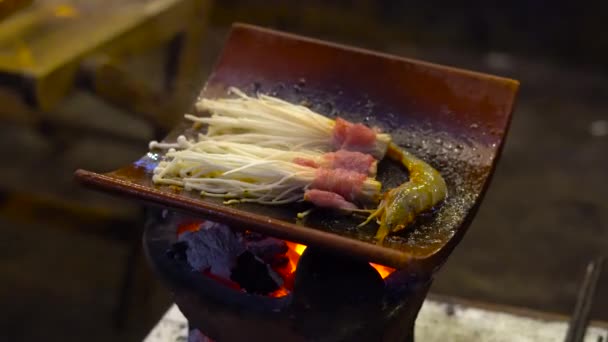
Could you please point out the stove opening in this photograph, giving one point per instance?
(245, 261)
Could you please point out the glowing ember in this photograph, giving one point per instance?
(383, 270)
(191, 226)
(282, 292)
(299, 249)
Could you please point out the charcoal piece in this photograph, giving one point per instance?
(178, 251)
(279, 261)
(253, 236)
(267, 249)
(214, 247)
(255, 276)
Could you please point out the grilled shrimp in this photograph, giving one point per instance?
(400, 206)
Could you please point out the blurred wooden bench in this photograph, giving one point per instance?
(49, 48)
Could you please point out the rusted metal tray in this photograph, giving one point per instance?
(454, 119)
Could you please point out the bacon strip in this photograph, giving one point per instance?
(353, 137)
(348, 160)
(305, 162)
(342, 182)
(326, 199)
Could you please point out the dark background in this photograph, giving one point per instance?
(544, 218)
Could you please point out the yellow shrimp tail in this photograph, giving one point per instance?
(373, 215)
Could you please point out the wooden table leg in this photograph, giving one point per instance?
(183, 74)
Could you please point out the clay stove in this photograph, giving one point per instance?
(237, 285)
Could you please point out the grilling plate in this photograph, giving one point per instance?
(455, 120)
